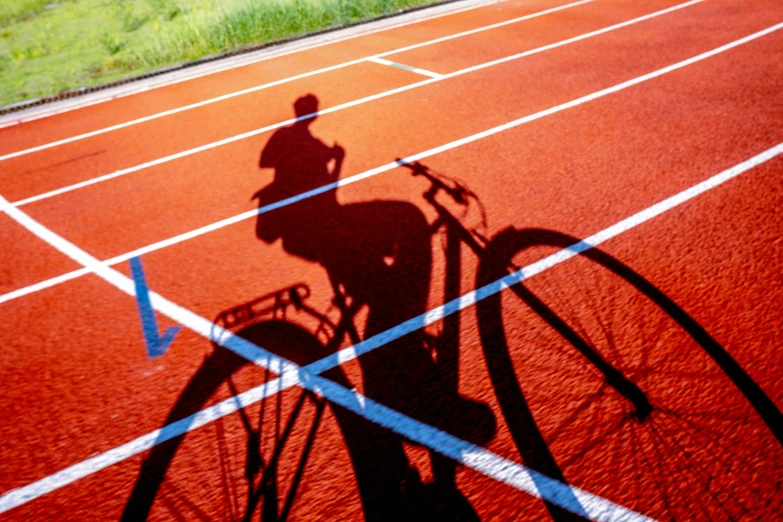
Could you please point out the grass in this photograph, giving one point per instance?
(49, 46)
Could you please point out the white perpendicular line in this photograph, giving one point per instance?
(347, 105)
(187, 75)
(283, 81)
(417, 70)
(383, 168)
(290, 377)
(492, 465)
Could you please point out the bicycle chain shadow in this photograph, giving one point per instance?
(378, 255)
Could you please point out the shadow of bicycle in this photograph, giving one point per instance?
(601, 380)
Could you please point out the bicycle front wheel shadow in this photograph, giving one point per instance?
(254, 463)
(607, 384)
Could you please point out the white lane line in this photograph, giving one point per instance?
(569, 497)
(283, 81)
(389, 166)
(423, 72)
(43, 285)
(261, 56)
(85, 468)
(347, 105)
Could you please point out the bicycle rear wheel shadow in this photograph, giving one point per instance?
(702, 441)
(250, 464)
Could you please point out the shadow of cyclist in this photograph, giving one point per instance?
(377, 254)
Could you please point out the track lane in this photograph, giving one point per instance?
(75, 162)
(392, 138)
(568, 23)
(90, 158)
(257, 88)
(142, 104)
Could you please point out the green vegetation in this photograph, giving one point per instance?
(47, 46)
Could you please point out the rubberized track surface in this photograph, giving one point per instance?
(651, 130)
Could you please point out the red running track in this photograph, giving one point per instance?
(655, 301)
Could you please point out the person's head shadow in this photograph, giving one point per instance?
(306, 109)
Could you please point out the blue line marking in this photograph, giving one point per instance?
(156, 345)
(402, 66)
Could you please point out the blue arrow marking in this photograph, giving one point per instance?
(156, 345)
